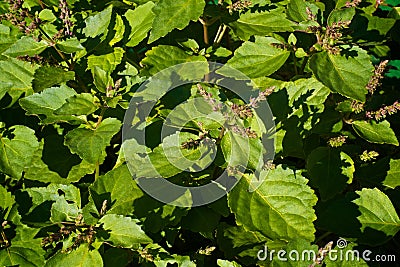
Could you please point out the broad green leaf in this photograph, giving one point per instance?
(382, 25)
(6, 199)
(337, 15)
(225, 263)
(315, 91)
(239, 150)
(330, 170)
(81, 104)
(47, 101)
(344, 74)
(376, 132)
(240, 237)
(118, 188)
(123, 231)
(101, 79)
(54, 192)
(280, 208)
(140, 20)
(16, 77)
(26, 46)
(47, 76)
(297, 10)
(70, 45)
(62, 211)
(257, 59)
(164, 56)
(98, 24)
(174, 14)
(107, 62)
(23, 253)
(377, 212)
(392, 179)
(89, 144)
(82, 257)
(17, 150)
(261, 23)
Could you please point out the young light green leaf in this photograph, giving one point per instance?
(6, 199)
(124, 231)
(330, 170)
(392, 179)
(98, 24)
(121, 189)
(82, 256)
(70, 45)
(164, 56)
(81, 104)
(280, 208)
(257, 59)
(17, 150)
(119, 29)
(90, 144)
(174, 14)
(377, 211)
(107, 62)
(140, 20)
(376, 132)
(23, 253)
(47, 76)
(26, 46)
(225, 263)
(344, 74)
(261, 23)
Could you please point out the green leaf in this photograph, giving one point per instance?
(118, 188)
(124, 231)
(346, 75)
(140, 20)
(47, 76)
(23, 253)
(6, 199)
(261, 23)
(16, 76)
(82, 257)
(315, 91)
(70, 45)
(81, 104)
(377, 212)
(98, 24)
(330, 170)
(201, 219)
(89, 144)
(62, 211)
(26, 46)
(164, 56)
(225, 263)
(296, 260)
(107, 62)
(174, 14)
(376, 132)
(392, 179)
(257, 59)
(297, 10)
(280, 208)
(17, 150)
(119, 30)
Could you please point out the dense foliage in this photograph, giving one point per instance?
(328, 69)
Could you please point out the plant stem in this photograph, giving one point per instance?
(220, 33)
(205, 34)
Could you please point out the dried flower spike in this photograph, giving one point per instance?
(337, 141)
(374, 82)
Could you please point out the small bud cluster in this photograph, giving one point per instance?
(18, 16)
(239, 5)
(369, 155)
(356, 106)
(374, 82)
(195, 143)
(65, 16)
(353, 3)
(332, 34)
(35, 59)
(322, 252)
(111, 90)
(269, 165)
(245, 132)
(337, 141)
(383, 111)
(208, 97)
(63, 233)
(261, 96)
(310, 15)
(243, 111)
